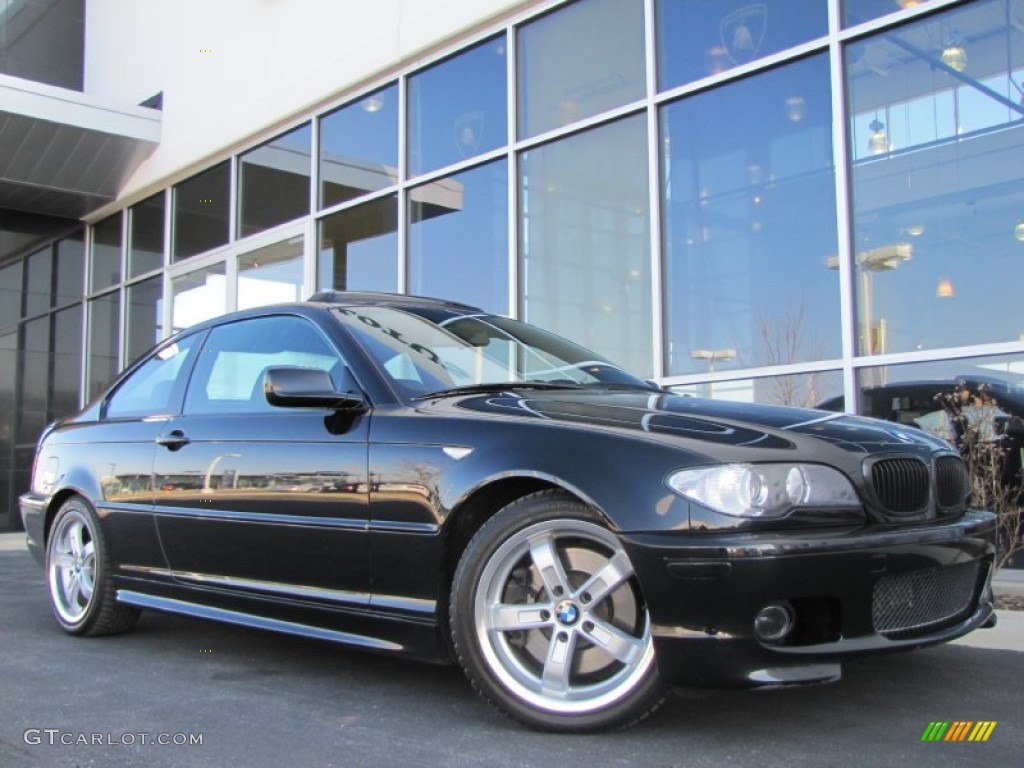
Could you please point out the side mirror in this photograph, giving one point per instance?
(306, 388)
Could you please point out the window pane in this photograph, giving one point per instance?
(146, 251)
(198, 296)
(106, 254)
(273, 181)
(750, 223)
(458, 108)
(696, 40)
(38, 281)
(800, 390)
(150, 388)
(579, 61)
(937, 190)
(10, 294)
(70, 268)
(104, 340)
(858, 11)
(8, 381)
(144, 325)
(35, 378)
(585, 241)
(359, 147)
(359, 248)
(271, 275)
(201, 212)
(458, 238)
(67, 362)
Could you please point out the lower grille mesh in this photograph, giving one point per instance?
(912, 604)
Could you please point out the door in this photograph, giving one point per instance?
(260, 499)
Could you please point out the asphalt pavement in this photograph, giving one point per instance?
(260, 699)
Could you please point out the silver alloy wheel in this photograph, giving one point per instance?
(72, 566)
(559, 620)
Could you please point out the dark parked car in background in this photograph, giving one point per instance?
(417, 476)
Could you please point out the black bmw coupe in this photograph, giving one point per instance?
(417, 476)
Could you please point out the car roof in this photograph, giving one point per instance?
(374, 298)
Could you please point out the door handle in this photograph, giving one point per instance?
(173, 440)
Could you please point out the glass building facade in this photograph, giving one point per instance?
(785, 202)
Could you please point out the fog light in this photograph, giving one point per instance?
(774, 622)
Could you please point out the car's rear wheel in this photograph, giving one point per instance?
(548, 620)
(77, 568)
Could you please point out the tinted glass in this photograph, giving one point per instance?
(937, 193)
(144, 325)
(359, 147)
(458, 238)
(271, 275)
(585, 241)
(201, 219)
(359, 248)
(750, 223)
(10, 294)
(150, 389)
(104, 340)
(580, 60)
(800, 390)
(35, 378)
(198, 296)
(698, 39)
(273, 181)
(67, 362)
(70, 268)
(458, 108)
(8, 382)
(44, 41)
(146, 251)
(230, 378)
(38, 281)
(106, 254)
(857, 11)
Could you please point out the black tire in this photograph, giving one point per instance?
(81, 592)
(578, 656)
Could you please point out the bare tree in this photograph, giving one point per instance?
(784, 340)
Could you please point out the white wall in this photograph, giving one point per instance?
(233, 68)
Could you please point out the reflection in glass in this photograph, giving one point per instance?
(271, 275)
(146, 247)
(143, 326)
(585, 241)
(696, 40)
(750, 223)
(106, 254)
(458, 238)
(10, 293)
(859, 11)
(800, 390)
(201, 212)
(273, 181)
(35, 378)
(38, 281)
(936, 202)
(198, 296)
(8, 382)
(359, 248)
(67, 362)
(104, 340)
(580, 60)
(359, 147)
(70, 268)
(458, 108)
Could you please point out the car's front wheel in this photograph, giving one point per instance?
(77, 569)
(548, 620)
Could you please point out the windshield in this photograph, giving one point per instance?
(436, 351)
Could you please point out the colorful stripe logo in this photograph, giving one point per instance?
(959, 730)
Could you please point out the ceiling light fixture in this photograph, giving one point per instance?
(954, 55)
(879, 141)
(1018, 231)
(373, 104)
(945, 289)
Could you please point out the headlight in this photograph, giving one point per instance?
(764, 490)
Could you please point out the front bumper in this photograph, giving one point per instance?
(850, 591)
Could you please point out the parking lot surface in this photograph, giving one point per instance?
(260, 699)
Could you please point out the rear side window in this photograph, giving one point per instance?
(149, 391)
(229, 373)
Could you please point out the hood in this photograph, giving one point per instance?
(699, 421)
